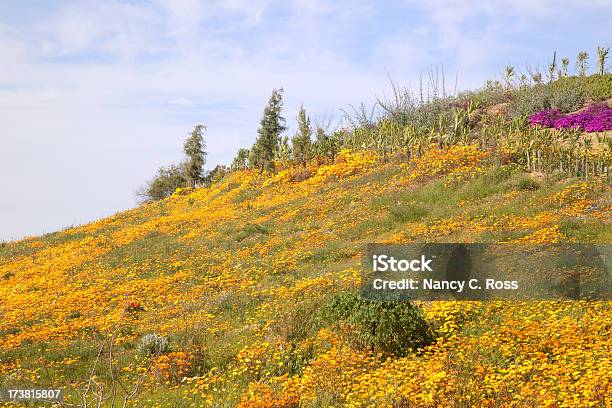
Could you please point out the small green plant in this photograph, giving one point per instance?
(153, 345)
(252, 229)
(527, 184)
(75, 315)
(386, 327)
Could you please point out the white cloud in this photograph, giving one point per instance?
(96, 95)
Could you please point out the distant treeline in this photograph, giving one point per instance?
(495, 117)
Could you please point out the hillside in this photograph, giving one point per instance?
(234, 276)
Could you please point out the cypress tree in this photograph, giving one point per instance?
(272, 125)
(301, 142)
(195, 149)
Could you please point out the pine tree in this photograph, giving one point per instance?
(271, 127)
(301, 142)
(195, 149)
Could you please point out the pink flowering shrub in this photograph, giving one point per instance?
(597, 118)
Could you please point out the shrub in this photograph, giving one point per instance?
(530, 100)
(215, 175)
(492, 93)
(153, 345)
(387, 327)
(597, 118)
(241, 161)
(594, 87)
(562, 95)
(568, 99)
(168, 179)
(527, 184)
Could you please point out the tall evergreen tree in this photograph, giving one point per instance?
(195, 149)
(301, 142)
(272, 125)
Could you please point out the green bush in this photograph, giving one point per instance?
(215, 175)
(492, 93)
(566, 98)
(387, 327)
(567, 94)
(166, 182)
(594, 87)
(527, 184)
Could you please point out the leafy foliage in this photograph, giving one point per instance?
(167, 180)
(241, 161)
(386, 327)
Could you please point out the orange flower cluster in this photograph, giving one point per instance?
(457, 162)
(171, 368)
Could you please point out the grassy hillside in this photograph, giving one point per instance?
(237, 277)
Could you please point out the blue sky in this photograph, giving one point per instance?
(96, 95)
